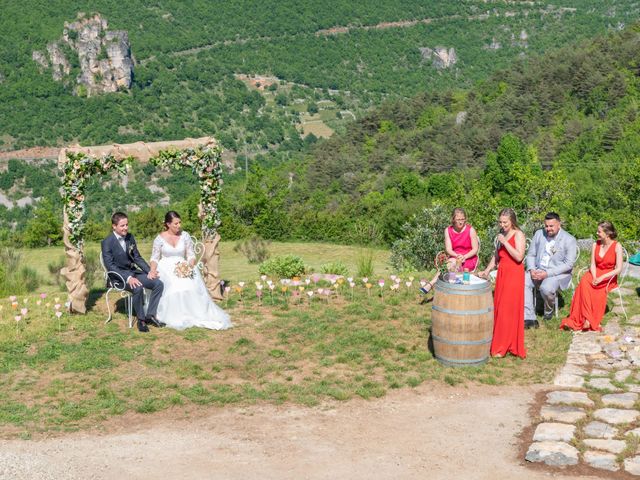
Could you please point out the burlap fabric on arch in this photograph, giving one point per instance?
(210, 267)
(74, 272)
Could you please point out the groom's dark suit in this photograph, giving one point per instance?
(128, 262)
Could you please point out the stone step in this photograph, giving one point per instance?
(555, 454)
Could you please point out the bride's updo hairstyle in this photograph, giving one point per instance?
(169, 217)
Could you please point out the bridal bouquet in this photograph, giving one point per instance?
(183, 270)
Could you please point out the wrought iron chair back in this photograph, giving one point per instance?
(621, 279)
(198, 250)
(113, 285)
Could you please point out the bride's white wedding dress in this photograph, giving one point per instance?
(185, 302)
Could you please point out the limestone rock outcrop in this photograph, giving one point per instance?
(440, 56)
(104, 56)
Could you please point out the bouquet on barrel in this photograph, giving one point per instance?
(447, 267)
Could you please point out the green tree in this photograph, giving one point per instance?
(45, 227)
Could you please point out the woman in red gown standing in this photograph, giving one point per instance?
(508, 297)
(590, 298)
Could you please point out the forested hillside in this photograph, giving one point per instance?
(560, 131)
(350, 54)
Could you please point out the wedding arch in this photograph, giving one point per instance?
(78, 164)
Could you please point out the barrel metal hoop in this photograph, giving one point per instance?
(484, 341)
(461, 363)
(462, 312)
(461, 292)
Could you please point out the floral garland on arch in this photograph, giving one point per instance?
(205, 163)
(77, 169)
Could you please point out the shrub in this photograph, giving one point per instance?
(423, 238)
(336, 268)
(55, 269)
(364, 262)
(255, 249)
(14, 278)
(285, 266)
(94, 269)
(91, 263)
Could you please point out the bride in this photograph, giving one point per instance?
(185, 302)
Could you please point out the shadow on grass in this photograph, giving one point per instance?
(95, 294)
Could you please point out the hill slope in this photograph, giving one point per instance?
(188, 56)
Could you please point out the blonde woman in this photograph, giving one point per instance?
(508, 297)
(460, 243)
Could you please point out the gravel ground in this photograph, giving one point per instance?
(427, 432)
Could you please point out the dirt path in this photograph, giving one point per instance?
(422, 433)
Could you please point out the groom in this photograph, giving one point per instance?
(120, 254)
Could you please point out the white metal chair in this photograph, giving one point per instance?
(127, 295)
(621, 278)
(198, 249)
(113, 285)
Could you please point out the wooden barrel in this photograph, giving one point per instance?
(462, 323)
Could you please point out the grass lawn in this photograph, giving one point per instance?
(74, 372)
(234, 265)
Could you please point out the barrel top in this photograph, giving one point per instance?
(478, 286)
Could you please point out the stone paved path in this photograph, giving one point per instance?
(593, 416)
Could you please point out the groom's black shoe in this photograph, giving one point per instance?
(151, 319)
(142, 326)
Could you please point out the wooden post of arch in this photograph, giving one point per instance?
(75, 269)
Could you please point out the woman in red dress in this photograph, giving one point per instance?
(461, 244)
(508, 297)
(590, 298)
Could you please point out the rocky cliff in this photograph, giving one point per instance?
(440, 56)
(104, 56)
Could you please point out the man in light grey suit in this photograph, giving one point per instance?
(549, 262)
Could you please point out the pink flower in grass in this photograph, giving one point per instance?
(24, 311)
(43, 296)
(57, 306)
(18, 318)
(13, 298)
(58, 314)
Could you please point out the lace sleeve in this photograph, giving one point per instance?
(188, 242)
(156, 251)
